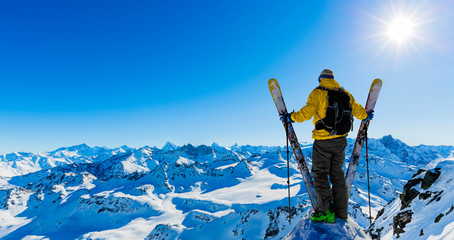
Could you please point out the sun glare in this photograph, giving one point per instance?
(400, 29)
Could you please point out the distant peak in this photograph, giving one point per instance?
(218, 147)
(388, 141)
(388, 137)
(169, 146)
(83, 145)
(215, 145)
(72, 148)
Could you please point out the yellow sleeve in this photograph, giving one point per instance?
(357, 110)
(308, 111)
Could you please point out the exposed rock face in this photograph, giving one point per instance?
(400, 220)
(430, 177)
(407, 197)
(162, 232)
(411, 193)
(425, 203)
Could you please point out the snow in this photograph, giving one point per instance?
(200, 192)
(184, 161)
(341, 230)
(227, 166)
(33, 237)
(426, 211)
(246, 191)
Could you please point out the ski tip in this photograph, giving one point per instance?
(272, 83)
(377, 81)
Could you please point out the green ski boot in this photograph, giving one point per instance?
(330, 218)
(318, 216)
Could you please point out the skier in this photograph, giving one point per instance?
(328, 152)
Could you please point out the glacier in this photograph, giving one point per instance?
(201, 192)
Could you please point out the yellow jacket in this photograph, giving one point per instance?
(318, 102)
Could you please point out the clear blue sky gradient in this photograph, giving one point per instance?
(136, 73)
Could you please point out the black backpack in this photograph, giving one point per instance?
(339, 118)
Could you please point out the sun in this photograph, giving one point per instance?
(401, 29)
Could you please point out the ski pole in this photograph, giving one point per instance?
(288, 175)
(368, 186)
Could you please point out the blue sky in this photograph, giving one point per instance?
(136, 73)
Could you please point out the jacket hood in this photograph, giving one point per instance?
(329, 83)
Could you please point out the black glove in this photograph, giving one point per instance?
(286, 117)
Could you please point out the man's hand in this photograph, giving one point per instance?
(286, 117)
(370, 115)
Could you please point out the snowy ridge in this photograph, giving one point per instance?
(185, 192)
(425, 208)
(20, 163)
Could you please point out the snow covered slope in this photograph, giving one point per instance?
(182, 192)
(425, 208)
(309, 230)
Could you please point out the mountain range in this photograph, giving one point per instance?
(215, 192)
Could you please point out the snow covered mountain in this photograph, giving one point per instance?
(424, 208)
(20, 163)
(187, 192)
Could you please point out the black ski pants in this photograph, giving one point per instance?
(327, 161)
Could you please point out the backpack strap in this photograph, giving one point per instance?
(341, 89)
(320, 124)
(323, 88)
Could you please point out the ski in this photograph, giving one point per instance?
(281, 108)
(354, 160)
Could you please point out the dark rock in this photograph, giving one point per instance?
(425, 195)
(400, 220)
(450, 210)
(380, 213)
(377, 234)
(411, 183)
(161, 232)
(409, 193)
(430, 177)
(437, 219)
(407, 197)
(437, 197)
(419, 172)
(421, 233)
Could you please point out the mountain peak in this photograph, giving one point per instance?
(391, 142)
(82, 146)
(169, 146)
(219, 148)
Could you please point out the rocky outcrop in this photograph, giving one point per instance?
(399, 222)
(409, 193)
(426, 201)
